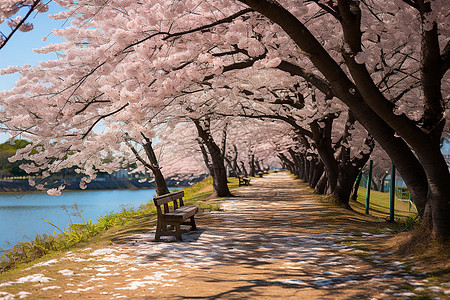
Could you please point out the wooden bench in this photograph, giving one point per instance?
(169, 222)
(243, 180)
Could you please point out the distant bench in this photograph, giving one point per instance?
(243, 180)
(169, 222)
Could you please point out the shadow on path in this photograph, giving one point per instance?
(271, 241)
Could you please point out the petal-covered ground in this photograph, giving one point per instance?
(271, 241)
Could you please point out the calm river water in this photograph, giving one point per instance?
(21, 213)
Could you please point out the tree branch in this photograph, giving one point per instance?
(320, 83)
(238, 66)
(33, 6)
(138, 157)
(288, 120)
(102, 117)
(204, 27)
(330, 8)
(92, 101)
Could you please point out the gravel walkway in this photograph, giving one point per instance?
(269, 242)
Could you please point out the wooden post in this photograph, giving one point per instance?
(369, 180)
(392, 194)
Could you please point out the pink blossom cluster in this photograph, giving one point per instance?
(132, 67)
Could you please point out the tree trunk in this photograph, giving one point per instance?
(356, 187)
(382, 182)
(331, 165)
(295, 159)
(374, 185)
(230, 164)
(322, 140)
(321, 184)
(205, 157)
(302, 166)
(312, 167)
(344, 186)
(318, 171)
(312, 170)
(224, 139)
(436, 215)
(307, 170)
(258, 166)
(350, 168)
(235, 162)
(219, 175)
(244, 169)
(161, 185)
(290, 165)
(252, 165)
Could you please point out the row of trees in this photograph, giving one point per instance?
(317, 83)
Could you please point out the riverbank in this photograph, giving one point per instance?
(22, 214)
(73, 184)
(93, 212)
(274, 239)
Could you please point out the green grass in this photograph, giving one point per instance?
(379, 206)
(87, 231)
(380, 202)
(65, 239)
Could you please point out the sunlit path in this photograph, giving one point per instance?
(269, 242)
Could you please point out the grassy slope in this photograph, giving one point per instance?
(405, 239)
(379, 204)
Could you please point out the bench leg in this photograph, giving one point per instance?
(158, 230)
(178, 232)
(193, 226)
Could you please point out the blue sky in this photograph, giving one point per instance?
(19, 50)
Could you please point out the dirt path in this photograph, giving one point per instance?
(270, 242)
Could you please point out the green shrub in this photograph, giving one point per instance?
(402, 192)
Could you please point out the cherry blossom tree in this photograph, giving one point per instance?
(253, 140)
(125, 63)
(378, 103)
(342, 151)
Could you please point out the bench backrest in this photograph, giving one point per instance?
(167, 198)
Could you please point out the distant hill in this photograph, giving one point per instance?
(6, 151)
